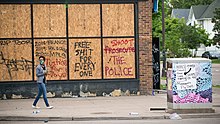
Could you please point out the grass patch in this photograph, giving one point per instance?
(217, 86)
(163, 78)
(216, 61)
(163, 86)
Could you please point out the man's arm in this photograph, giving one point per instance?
(38, 73)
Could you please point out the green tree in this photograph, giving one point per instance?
(179, 37)
(216, 29)
(186, 4)
(174, 46)
(193, 36)
(157, 19)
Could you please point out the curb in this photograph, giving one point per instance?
(25, 118)
(204, 115)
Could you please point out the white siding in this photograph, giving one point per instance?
(208, 26)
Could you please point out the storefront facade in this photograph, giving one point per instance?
(94, 46)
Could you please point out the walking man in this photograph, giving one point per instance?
(41, 73)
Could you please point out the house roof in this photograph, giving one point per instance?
(209, 13)
(205, 11)
(180, 13)
(199, 10)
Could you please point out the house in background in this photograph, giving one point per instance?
(200, 15)
(180, 13)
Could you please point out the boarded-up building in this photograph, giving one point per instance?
(93, 46)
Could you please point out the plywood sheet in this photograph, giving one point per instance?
(49, 20)
(55, 51)
(15, 21)
(84, 20)
(118, 19)
(119, 58)
(85, 58)
(15, 60)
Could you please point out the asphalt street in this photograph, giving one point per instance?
(216, 74)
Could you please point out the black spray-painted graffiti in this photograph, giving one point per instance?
(16, 42)
(48, 48)
(55, 51)
(15, 64)
(85, 66)
(156, 63)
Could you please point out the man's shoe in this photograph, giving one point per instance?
(49, 107)
(35, 107)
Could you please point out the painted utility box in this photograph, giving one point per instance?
(189, 84)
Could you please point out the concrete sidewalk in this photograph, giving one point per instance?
(97, 108)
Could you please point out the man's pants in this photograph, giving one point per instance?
(41, 90)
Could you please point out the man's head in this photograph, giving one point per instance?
(42, 60)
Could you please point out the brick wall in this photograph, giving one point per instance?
(145, 46)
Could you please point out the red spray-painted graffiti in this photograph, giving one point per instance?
(57, 68)
(118, 55)
(55, 51)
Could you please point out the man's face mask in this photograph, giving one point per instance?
(41, 62)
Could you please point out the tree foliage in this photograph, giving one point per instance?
(216, 29)
(193, 36)
(179, 37)
(186, 4)
(174, 46)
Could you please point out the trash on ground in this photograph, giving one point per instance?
(36, 112)
(133, 113)
(45, 121)
(175, 116)
(74, 96)
(106, 95)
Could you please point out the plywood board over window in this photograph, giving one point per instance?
(15, 60)
(119, 58)
(85, 58)
(49, 20)
(118, 19)
(84, 20)
(15, 21)
(55, 51)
